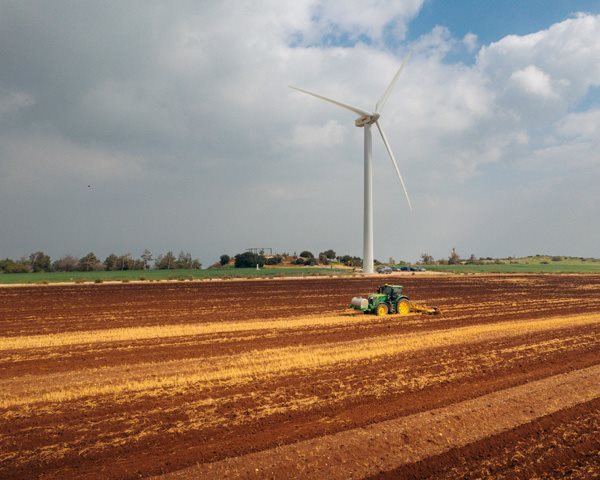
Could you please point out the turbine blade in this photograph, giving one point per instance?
(387, 146)
(356, 110)
(388, 90)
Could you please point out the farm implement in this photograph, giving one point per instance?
(389, 299)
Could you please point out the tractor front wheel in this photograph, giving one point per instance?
(382, 309)
(403, 307)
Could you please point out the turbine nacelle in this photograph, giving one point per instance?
(366, 120)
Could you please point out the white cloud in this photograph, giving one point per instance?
(13, 101)
(327, 135)
(567, 158)
(567, 52)
(436, 43)
(470, 42)
(359, 17)
(584, 125)
(575, 147)
(534, 81)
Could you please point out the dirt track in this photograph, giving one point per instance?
(117, 381)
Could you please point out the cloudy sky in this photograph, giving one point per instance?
(169, 125)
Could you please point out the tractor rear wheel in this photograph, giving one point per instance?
(403, 307)
(382, 309)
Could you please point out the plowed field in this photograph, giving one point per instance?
(277, 379)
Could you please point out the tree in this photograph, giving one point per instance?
(40, 262)
(110, 263)
(426, 259)
(248, 260)
(472, 259)
(356, 262)
(4, 263)
(184, 260)
(274, 260)
(166, 261)
(345, 259)
(330, 254)
(326, 257)
(224, 259)
(125, 262)
(146, 257)
(306, 254)
(350, 261)
(88, 263)
(323, 258)
(68, 263)
(454, 258)
(19, 266)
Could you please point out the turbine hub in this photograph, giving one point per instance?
(366, 120)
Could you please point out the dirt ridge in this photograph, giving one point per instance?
(384, 446)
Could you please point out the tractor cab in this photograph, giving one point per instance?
(391, 291)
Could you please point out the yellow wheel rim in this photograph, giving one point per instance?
(403, 307)
(381, 310)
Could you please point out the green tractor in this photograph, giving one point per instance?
(388, 299)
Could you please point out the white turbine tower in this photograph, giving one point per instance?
(365, 121)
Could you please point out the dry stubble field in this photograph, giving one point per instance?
(275, 378)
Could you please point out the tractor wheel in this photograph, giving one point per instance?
(403, 307)
(382, 309)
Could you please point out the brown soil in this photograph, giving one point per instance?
(108, 428)
(561, 445)
(359, 452)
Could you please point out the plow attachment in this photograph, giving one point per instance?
(424, 309)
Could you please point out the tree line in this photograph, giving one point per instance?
(453, 259)
(252, 259)
(41, 262)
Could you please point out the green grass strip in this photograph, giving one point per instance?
(156, 275)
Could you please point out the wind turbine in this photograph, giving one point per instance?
(365, 120)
